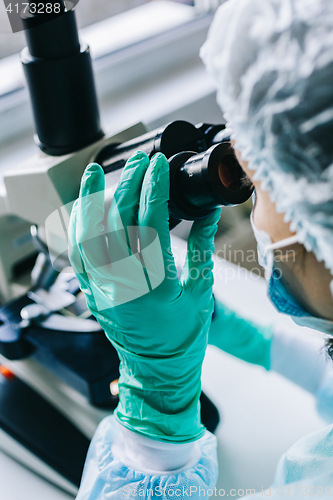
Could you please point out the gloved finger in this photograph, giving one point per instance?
(74, 254)
(90, 216)
(122, 219)
(198, 270)
(154, 220)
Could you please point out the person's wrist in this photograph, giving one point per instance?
(152, 456)
(167, 415)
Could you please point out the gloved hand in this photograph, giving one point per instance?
(158, 324)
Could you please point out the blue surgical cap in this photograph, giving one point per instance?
(272, 61)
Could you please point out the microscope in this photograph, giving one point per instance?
(59, 373)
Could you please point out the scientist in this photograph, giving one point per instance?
(272, 61)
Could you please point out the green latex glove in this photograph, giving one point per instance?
(158, 324)
(239, 337)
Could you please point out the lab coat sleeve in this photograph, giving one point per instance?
(123, 465)
(305, 470)
(298, 356)
(302, 358)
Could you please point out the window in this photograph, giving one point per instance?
(87, 12)
(149, 39)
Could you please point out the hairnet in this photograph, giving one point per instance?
(272, 61)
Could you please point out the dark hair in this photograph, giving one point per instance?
(329, 347)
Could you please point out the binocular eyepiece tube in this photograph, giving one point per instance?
(199, 183)
(204, 171)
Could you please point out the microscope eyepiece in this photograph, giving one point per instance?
(230, 173)
(199, 183)
(169, 140)
(204, 171)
